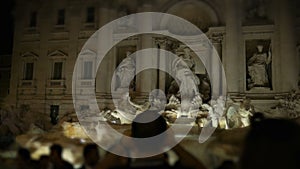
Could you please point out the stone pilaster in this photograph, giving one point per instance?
(147, 79)
(233, 58)
(287, 47)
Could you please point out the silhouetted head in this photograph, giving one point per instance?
(44, 161)
(23, 154)
(91, 154)
(228, 164)
(55, 152)
(272, 143)
(149, 129)
(23, 159)
(150, 125)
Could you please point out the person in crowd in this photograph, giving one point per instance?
(227, 164)
(142, 129)
(44, 162)
(23, 159)
(271, 144)
(91, 156)
(56, 158)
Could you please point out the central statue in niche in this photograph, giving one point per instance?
(184, 75)
(188, 82)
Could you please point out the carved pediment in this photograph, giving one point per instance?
(29, 55)
(87, 53)
(57, 53)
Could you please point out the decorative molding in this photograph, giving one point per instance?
(29, 55)
(31, 37)
(85, 34)
(88, 53)
(59, 36)
(261, 29)
(57, 54)
(216, 34)
(217, 37)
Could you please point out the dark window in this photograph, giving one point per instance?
(87, 70)
(28, 71)
(57, 71)
(33, 17)
(54, 111)
(90, 15)
(61, 17)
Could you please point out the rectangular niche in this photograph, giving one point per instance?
(258, 53)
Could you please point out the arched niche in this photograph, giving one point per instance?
(199, 13)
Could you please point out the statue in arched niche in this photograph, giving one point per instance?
(185, 73)
(188, 86)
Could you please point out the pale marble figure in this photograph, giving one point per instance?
(257, 67)
(188, 87)
(188, 59)
(239, 115)
(125, 72)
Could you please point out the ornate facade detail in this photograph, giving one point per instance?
(57, 54)
(223, 28)
(58, 36)
(85, 34)
(217, 37)
(29, 55)
(31, 37)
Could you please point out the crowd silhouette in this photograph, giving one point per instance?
(269, 144)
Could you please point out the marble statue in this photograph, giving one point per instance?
(288, 107)
(188, 87)
(257, 68)
(238, 115)
(185, 69)
(125, 72)
(188, 59)
(246, 111)
(125, 111)
(215, 112)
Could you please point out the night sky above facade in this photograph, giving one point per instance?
(6, 20)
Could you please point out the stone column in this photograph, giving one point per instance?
(101, 78)
(162, 63)
(147, 79)
(16, 62)
(287, 45)
(233, 61)
(43, 61)
(217, 79)
(73, 45)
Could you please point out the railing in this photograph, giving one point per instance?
(27, 83)
(56, 83)
(87, 83)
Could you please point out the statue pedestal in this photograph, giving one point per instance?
(184, 120)
(182, 127)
